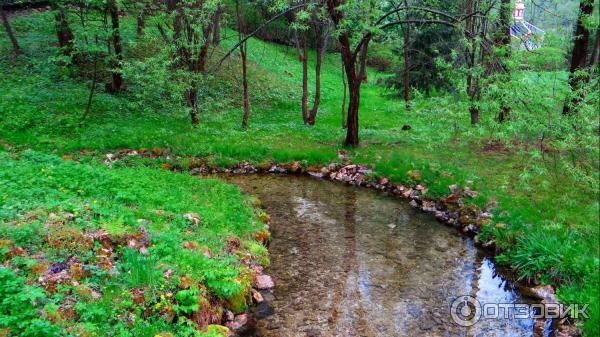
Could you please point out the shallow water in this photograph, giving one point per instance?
(349, 261)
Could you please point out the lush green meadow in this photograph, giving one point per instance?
(552, 233)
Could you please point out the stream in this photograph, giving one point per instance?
(350, 261)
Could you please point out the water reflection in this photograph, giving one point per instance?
(351, 262)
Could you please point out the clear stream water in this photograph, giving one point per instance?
(350, 261)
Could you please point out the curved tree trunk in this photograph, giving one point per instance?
(9, 32)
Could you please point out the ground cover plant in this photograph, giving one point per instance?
(87, 250)
(538, 165)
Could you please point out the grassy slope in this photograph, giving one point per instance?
(38, 192)
(543, 240)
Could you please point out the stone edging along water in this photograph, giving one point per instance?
(451, 210)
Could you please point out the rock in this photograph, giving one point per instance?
(413, 203)
(391, 226)
(295, 167)
(263, 282)
(454, 189)
(544, 293)
(408, 193)
(195, 171)
(470, 193)
(228, 315)
(257, 296)
(193, 218)
(384, 181)
(241, 324)
(568, 331)
(317, 175)
(429, 206)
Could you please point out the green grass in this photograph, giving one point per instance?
(553, 219)
(48, 209)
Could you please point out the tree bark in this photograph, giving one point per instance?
(305, 77)
(344, 125)
(117, 78)
(579, 56)
(595, 55)
(240, 11)
(315, 108)
(141, 25)
(217, 27)
(355, 64)
(10, 33)
(473, 89)
(503, 41)
(64, 33)
(406, 62)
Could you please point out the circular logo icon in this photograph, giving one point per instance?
(465, 310)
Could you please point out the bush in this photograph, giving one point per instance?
(382, 58)
(544, 59)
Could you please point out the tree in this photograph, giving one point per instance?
(322, 31)
(241, 13)
(502, 42)
(9, 32)
(191, 24)
(577, 73)
(117, 78)
(66, 39)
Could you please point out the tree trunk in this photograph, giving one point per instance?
(305, 77)
(503, 41)
(344, 125)
(315, 108)
(471, 60)
(141, 25)
(117, 79)
(594, 58)
(579, 56)
(64, 32)
(354, 74)
(241, 14)
(407, 62)
(217, 27)
(9, 32)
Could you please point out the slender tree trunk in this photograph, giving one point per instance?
(241, 13)
(141, 25)
(471, 58)
(355, 67)
(407, 62)
(344, 125)
(88, 107)
(305, 77)
(117, 78)
(579, 56)
(64, 32)
(503, 41)
(595, 55)
(217, 27)
(10, 33)
(297, 45)
(315, 108)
